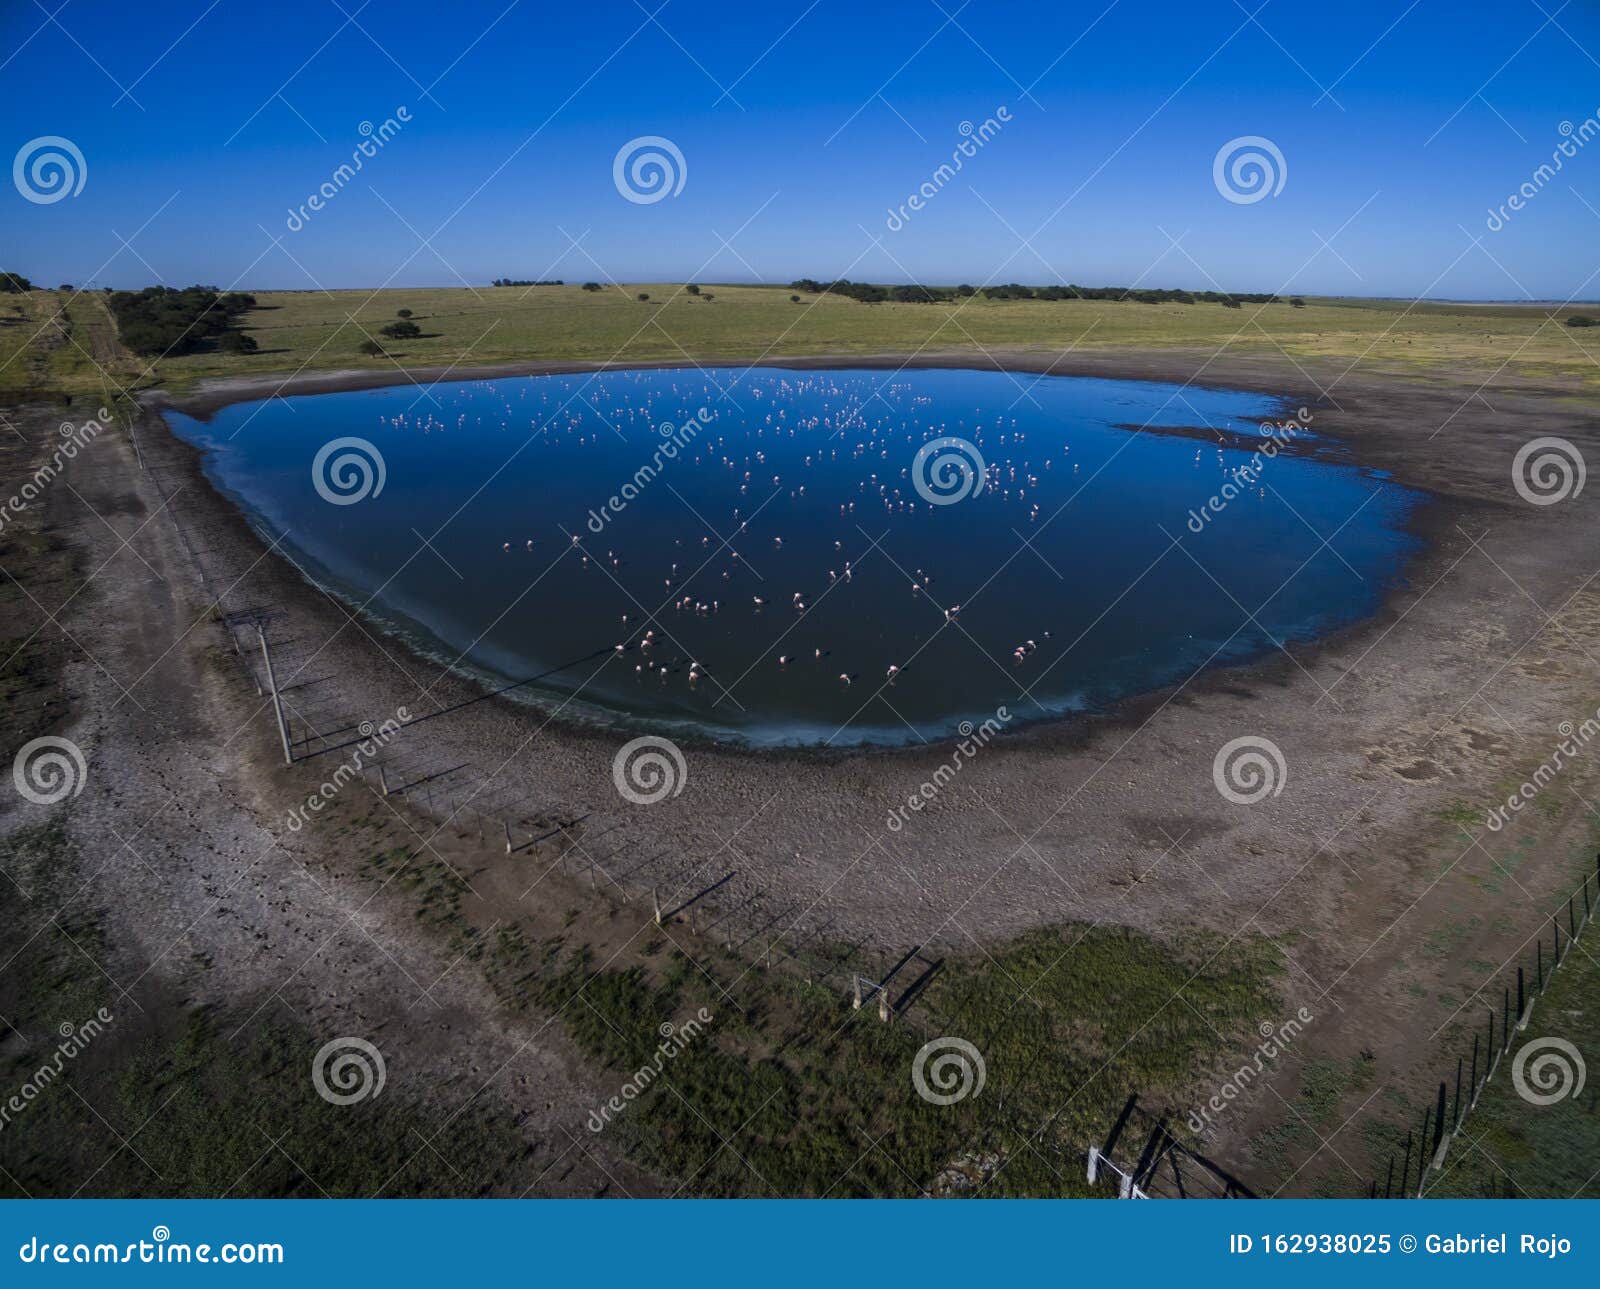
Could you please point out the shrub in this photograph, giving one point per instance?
(644, 295)
(591, 286)
(401, 330)
(236, 342)
(371, 348)
(692, 289)
(1579, 320)
(402, 313)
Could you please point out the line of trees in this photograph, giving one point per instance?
(517, 281)
(162, 320)
(870, 293)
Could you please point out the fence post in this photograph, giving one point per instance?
(277, 702)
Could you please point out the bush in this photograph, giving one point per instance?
(692, 289)
(644, 295)
(160, 320)
(371, 348)
(236, 342)
(401, 330)
(402, 313)
(1297, 302)
(794, 299)
(1579, 320)
(14, 283)
(591, 286)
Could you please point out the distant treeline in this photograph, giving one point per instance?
(868, 293)
(161, 320)
(517, 281)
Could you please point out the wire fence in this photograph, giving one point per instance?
(278, 652)
(1427, 1146)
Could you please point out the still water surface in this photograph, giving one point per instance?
(766, 528)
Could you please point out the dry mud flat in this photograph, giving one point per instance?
(1397, 735)
(211, 903)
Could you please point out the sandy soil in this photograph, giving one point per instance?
(1457, 684)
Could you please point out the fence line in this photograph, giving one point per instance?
(1442, 1121)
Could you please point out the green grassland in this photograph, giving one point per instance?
(466, 327)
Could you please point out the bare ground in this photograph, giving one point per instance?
(1398, 734)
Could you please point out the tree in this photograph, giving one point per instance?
(1297, 302)
(794, 299)
(644, 295)
(401, 330)
(65, 286)
(1579, 320)
(236, 342)
(591, 286)
(692, 289)
(371, 348)
(14, 283)
(402, 313)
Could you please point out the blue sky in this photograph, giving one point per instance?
(202, 126)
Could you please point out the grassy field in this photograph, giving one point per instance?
(56, 342)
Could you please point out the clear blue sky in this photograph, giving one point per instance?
(801, 126)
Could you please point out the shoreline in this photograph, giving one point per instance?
(1150, 366)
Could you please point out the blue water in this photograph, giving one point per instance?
(1079, 549)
